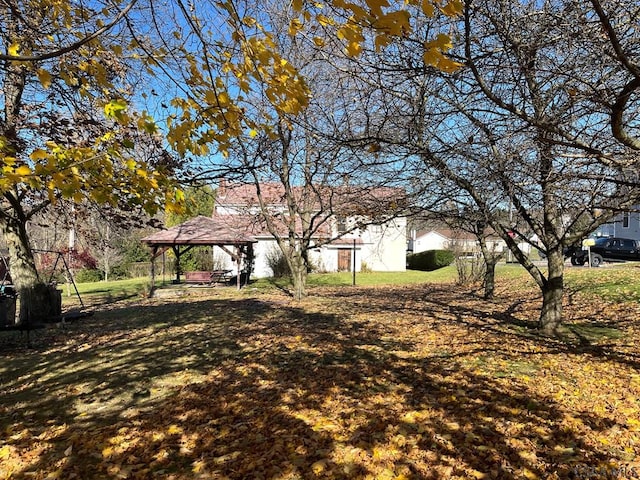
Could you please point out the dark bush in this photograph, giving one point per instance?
(429, 260)
(121, 271)
(278, 263)
(87, 275)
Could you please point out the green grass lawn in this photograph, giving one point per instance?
(103, 292)
(124, 287)
(615, 281)
(121, 289)
(443, 275)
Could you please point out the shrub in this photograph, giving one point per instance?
(429, 260)
(277, 263)
(365, 268)
(87, 275)
(120, 272)
(471, 269)
(73, 258)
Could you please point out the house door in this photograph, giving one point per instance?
(344, 260)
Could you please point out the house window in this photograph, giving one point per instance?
(341, 224)
(625, 220)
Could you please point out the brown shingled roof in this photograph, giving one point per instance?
(203, 231)
(219, 230)
(345, 197)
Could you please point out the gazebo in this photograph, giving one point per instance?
(203, 231)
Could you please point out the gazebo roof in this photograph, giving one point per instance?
(201, 230)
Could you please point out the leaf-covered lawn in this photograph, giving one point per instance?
(425, 382)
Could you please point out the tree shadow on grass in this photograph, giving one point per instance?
(592, 329)
(264, 389)
(280, 421)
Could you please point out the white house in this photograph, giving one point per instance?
(450, 239)
(343, 243)
(625, 225)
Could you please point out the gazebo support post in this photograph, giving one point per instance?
(249, 260)
(154, 254)
(176, 252)
(239, 266)
(164, 265)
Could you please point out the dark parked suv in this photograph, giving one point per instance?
(609, 250)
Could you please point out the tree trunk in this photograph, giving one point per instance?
(489, 282)
(552, 292)
(490, 258)
(299, 278)
(38, 302)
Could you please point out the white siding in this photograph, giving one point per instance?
(380, 247)
(384, 246)
(616, 228)
(430, 241)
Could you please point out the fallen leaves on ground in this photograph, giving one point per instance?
(425, 382)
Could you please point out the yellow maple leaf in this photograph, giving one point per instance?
(14, 49)
(44, 77)
(5, 452)
(353, 49)
(22, 170)
(453, 8)
(319, 467)
(324, 20)
(115, 108)
(382, 41)
(634, 424)
(442, 42)
(199, 466)
(295, 26)
(386, 474)
(478, 474)
(431, 57)
(174, 429)
(427, 8)
(38, 154)
(395, 23)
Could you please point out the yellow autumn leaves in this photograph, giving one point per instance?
(339, 387)
(387, 20)
(211, 115)
(100, 173)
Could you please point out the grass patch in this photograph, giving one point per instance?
(616, 282)
(115, 288)
(613, 283)
(591, 333)
(408, 277)
(515, 369)
(340, 279)
(442, 275)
